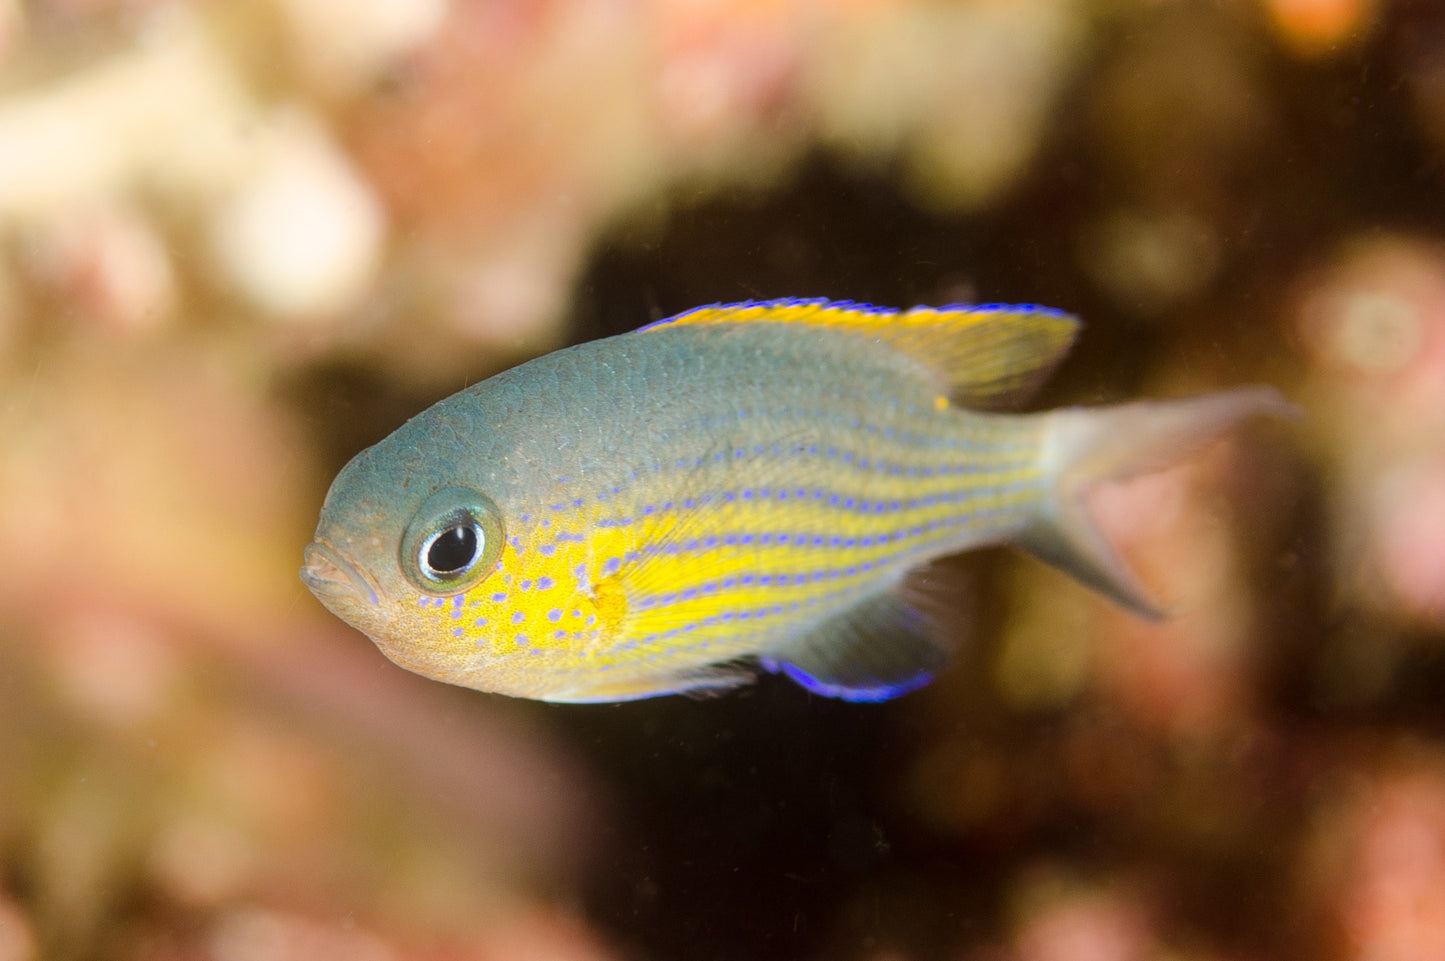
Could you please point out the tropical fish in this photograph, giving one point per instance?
(740, 486)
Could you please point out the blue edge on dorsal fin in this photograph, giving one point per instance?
(844, 305)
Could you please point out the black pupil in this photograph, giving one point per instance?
(453, 550)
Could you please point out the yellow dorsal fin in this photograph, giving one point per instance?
(986, 356)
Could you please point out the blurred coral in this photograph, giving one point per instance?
(1316, 27)
(1374, 324)
(1375, 870)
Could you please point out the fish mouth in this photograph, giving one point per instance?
(330, 573)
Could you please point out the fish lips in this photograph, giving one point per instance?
(335, 579)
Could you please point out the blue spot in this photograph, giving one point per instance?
(499, 597)
(554, 615)
(545, 583)
(559, 634)
(547, 550)
(612, 565)
(522, 640)
(526, 584)
(457, 632)
(518, 617)
(480, 622)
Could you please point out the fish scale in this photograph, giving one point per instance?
(777, 581)
(746, 483)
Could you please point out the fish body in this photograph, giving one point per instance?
(637, 515)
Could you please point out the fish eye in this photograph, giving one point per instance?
(452, 550)
(452, 542)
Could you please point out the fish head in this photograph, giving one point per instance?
(404, 556)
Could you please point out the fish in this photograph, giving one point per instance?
(757, 486)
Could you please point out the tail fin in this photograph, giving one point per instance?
(1084, 447)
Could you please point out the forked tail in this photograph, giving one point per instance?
(1087, 446)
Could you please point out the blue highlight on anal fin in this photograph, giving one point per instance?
(879, 649)
(858, 694)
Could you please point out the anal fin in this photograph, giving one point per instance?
(879, 649)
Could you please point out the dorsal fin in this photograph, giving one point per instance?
(987, 356)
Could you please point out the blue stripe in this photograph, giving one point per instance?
(834, 500)
(906, 556)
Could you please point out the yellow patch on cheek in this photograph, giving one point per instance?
(610, 602)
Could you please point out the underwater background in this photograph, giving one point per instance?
(240, 241)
